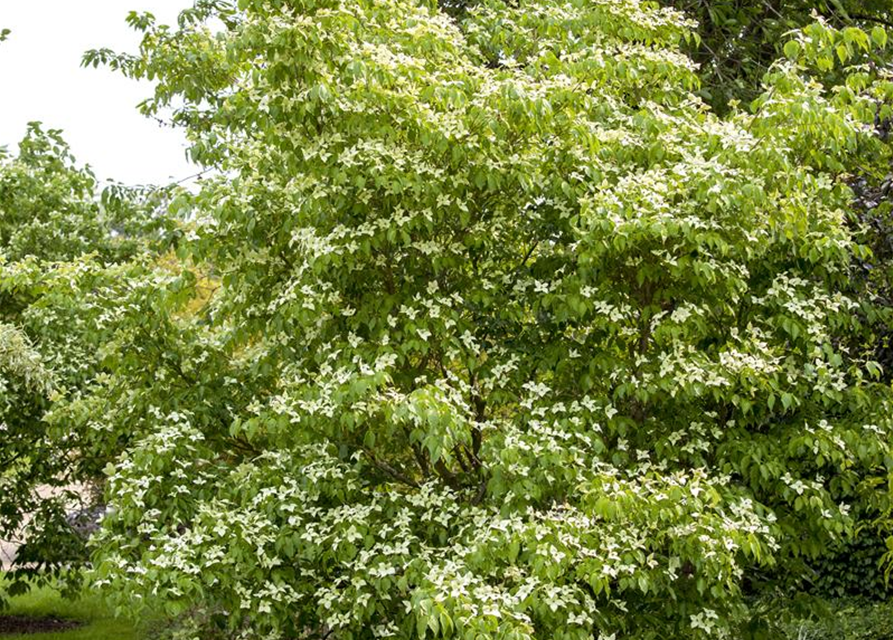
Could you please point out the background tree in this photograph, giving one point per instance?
(739, 40)
(67, 255)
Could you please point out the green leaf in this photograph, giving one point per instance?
(787, 400)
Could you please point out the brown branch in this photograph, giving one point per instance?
(391, 471)
(523, 263)
(422, 460)
(868, 18)
(448, 476)
(482, 491)
(473, 463)
(459, 453)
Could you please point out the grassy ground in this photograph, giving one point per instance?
(99, 623)
(849, 620)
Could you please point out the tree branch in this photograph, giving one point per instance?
(868, 18)
(391, 471)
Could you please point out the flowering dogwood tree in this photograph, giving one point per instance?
(511, 336)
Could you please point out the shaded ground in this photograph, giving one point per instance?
(8, 547)
(92, 620)
(12, 624)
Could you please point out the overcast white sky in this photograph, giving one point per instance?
(41, 79)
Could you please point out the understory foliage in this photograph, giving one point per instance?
(510, 336)
(846, 620)
(68, 256)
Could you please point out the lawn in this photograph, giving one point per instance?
(99, 622)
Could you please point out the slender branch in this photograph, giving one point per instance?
(523, 262)
(187, 178)
(422, 460)
(391, 471)
(482, 491)
(448, 476)
(868, 18)
(459, 453)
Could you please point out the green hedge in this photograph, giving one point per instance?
(854, 568)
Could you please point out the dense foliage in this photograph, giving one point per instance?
(740, 39)
(488, 327)
(854, 567)
(67, 254)
(846, 620)
(491, 328)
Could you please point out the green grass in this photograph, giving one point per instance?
(849, 619)
(99, 623)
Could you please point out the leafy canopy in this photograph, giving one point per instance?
(510, 335)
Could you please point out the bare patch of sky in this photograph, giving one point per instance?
(41, 79)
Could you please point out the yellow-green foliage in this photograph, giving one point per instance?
(514, 338)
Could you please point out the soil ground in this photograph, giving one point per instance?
(11, 624)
